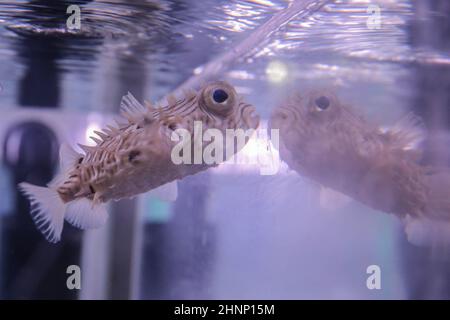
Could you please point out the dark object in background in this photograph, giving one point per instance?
(179, 255)
(431, 31)
(32, 267)
(39, 86)
(427, 270)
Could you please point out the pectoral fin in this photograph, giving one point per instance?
(407, 135)
(83, 214)
(330, 199)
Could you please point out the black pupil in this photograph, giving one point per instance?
(322, 103)
(220, 96)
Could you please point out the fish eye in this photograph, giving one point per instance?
(322, 103)
(220, 96)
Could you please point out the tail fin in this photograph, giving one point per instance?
(47, 210)
(438, 198)
(427, 233)
(433, 228)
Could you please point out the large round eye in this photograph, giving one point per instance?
(322, 103)
(219, 97)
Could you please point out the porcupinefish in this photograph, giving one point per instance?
(132, 157)
(328, 142)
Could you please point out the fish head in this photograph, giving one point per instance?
(222, 108)
(307, 118)
(207, 117)
(315, 131)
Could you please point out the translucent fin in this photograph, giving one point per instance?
(68, 157)
(408, 133)
(81, 213)
(426, 232)
(330, 199)
(437, 181)
(167, 192)
(47, 210)
(132, 109)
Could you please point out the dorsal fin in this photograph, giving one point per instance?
(132, 109)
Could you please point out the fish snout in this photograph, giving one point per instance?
(280, 119)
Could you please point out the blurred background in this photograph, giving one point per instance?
(232, 233)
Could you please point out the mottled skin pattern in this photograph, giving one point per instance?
(136, 157)
(326, 141)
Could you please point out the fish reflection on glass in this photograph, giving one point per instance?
(328, 142)
(132, 157)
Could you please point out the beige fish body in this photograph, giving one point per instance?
(133, 157)
(328, 142)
